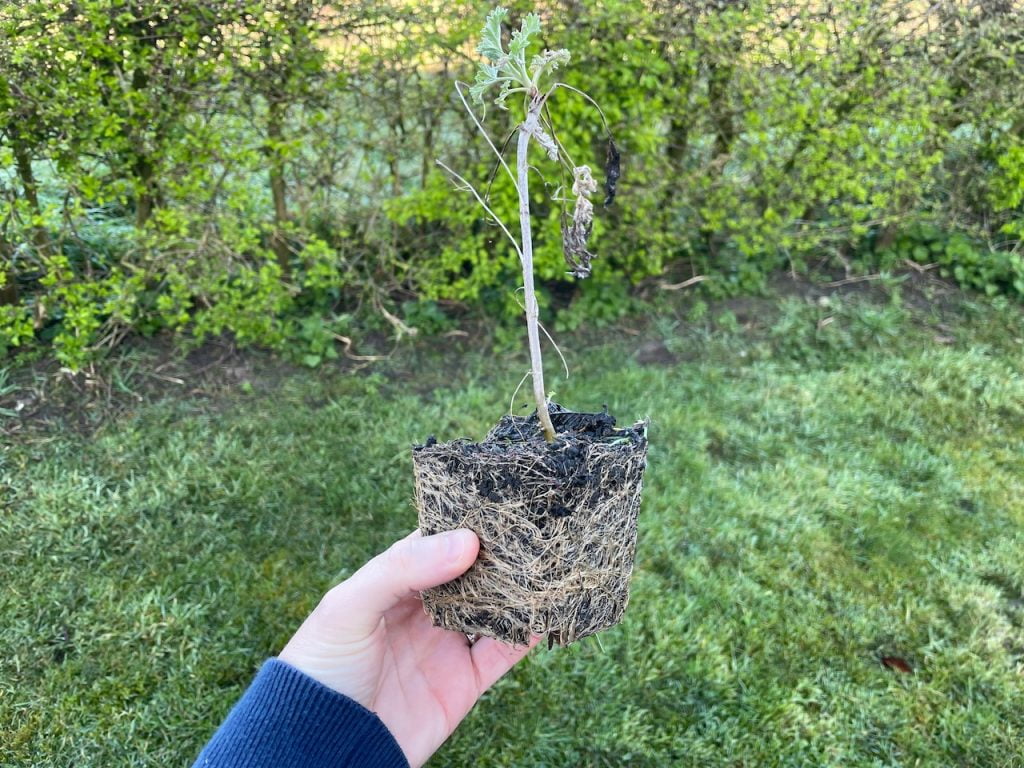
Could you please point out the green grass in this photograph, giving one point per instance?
(818, 497)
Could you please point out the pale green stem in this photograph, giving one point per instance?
(526, 257)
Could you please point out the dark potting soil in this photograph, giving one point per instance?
(572, 430)
(563, 462)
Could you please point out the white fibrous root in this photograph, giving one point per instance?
(576, 232)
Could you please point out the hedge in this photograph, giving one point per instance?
(268, 168)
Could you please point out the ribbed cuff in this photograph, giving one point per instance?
(286, 719)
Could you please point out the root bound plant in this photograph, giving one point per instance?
(553, 497)
(556, 521)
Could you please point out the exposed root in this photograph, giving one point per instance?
(556, 521)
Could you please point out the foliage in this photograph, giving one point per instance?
(508, 69)
(969, 261)
(259, 162)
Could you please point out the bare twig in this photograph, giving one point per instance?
(566, 162)
(685, 284)
(347, 342)
(501, 159)
(171, 379)
(561, 357)
(469, 187)
(512, 400)
(554, 344)
(920, 268)
(594, 104)
(851, 280)
(396, 323)
(494, 169)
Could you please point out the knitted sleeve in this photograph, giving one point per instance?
(287, 719)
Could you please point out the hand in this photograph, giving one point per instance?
(370, 639)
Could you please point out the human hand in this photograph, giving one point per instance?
(370, 639)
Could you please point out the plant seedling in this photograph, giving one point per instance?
(532, 85)
(553, 497)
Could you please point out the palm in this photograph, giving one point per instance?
(430, 673)
(420, 680)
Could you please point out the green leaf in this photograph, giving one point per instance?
(547, 62)
(500, 101)
(490, 36)
(522, 38)
(486, 76)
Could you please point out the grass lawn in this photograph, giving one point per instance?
(822, 494)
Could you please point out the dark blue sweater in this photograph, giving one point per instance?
(288, 720)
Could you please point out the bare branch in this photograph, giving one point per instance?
(594, 104)
(458, 89)
(467, 186)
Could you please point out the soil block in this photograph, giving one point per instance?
(556, 522)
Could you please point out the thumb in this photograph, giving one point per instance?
(407, 566)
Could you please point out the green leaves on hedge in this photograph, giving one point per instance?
(209, 166)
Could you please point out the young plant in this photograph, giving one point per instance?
(528, 85)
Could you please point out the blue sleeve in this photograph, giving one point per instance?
(286, 719)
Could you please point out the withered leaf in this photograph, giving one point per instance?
(897, 664)
(611, 172)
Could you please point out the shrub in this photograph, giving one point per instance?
(236, 167)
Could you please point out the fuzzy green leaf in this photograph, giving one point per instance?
(500, 101)
(509, 68)
(547, 62)
(486, 76)
(490, 36)
(522, 37)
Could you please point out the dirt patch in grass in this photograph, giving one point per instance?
(42, 396)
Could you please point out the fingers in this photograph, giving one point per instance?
(408, 566)
(492, 659)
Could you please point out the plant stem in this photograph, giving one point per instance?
(526, 258)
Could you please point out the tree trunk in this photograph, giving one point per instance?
(719, 81)
(30, 191)
(142, 166)
(146, 200)
(428, 149)
(278, 188)
(9, 289)
(532, 327)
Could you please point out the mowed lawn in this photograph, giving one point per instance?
(821, 496)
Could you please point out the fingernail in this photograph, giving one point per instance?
(454, 544)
